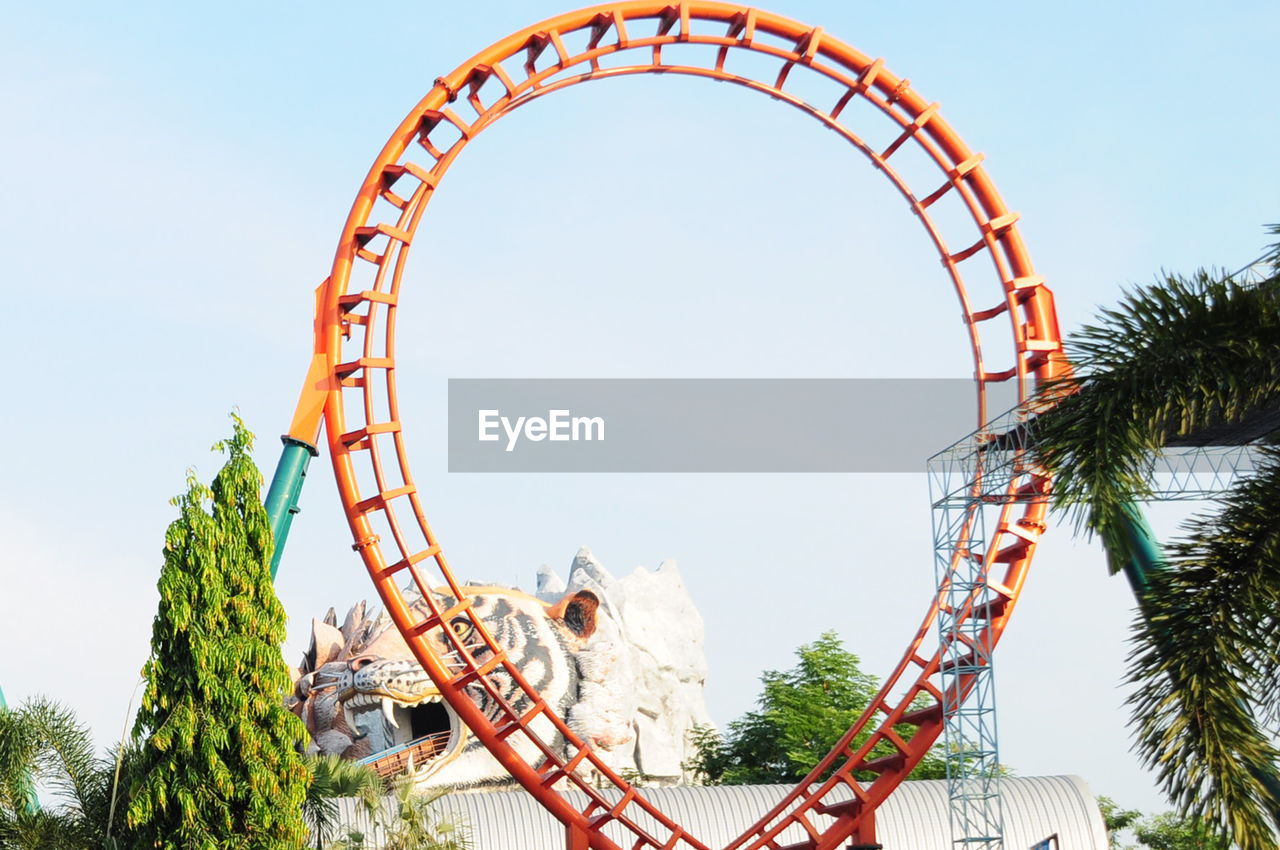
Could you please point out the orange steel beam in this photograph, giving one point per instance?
(308, 416)
(352, 379)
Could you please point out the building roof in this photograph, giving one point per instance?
(915, 817)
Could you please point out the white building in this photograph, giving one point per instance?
(915, 817)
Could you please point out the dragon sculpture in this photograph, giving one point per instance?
(622, 660)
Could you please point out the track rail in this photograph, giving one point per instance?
(352, 382)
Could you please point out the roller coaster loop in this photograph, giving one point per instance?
(350, 386)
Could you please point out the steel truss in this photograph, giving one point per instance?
(972, 485)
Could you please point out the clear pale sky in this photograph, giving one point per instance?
(173, 181)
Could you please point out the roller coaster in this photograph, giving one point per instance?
(350, 396)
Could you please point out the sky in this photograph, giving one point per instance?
(173, 182)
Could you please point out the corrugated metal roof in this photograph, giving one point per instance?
(915, 817)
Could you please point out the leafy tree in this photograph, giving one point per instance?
(44, 742)
(1117, 820)
(802, 713)
(1167, 831)
(220, 766)
(1174, 359)
(1170, 832)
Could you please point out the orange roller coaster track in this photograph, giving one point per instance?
(352, 385)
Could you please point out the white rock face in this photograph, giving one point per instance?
(644, 671)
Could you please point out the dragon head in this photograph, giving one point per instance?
(621, 660)
(361, 692)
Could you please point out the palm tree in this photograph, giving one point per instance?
(408, 820)
(333, 777)
(414, 825)
(43, 742)
(17, 755)
(1178, 361)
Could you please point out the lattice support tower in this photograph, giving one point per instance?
(973, 485)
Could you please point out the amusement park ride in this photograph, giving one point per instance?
(990, 499)
(350, 389)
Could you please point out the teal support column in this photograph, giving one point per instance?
(1148, 559)
(286, 487)
(1148, 556)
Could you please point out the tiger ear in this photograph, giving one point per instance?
(577, 610)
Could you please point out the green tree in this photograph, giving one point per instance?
(43, 742)
(1168, 831)
(802, 713)
(1117, 820)
(1175, 359)
(220, 766)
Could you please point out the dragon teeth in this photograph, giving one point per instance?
(388, 711)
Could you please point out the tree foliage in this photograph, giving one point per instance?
(1166, 831)
(1175, 358)
(1200, 712)
(1170, 832)
(410, 821)
(220, 766)
(801, 714)
(333, 777)
(43, 743)
(1117, 820)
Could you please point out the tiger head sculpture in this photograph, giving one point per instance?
(361, 692)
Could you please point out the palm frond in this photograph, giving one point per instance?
(42, 740)
(18, 748)
(66, 763)
(1197, 707)
(40, 830)
(333, 777)
(1172, 359)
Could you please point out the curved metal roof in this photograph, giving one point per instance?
(915, 817)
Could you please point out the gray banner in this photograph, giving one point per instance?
(707, 425)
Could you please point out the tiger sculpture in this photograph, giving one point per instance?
(588, 648)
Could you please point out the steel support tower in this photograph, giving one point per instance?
(972, 484)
